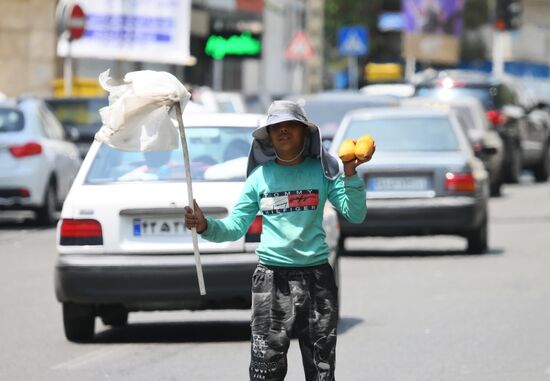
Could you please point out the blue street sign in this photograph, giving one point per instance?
(353, 41)
(391, 21)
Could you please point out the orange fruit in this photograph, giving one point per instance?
(364, 147)
(347, 150)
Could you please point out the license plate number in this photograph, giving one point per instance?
(148, 227)
(398, 184)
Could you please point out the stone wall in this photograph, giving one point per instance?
(27, 46)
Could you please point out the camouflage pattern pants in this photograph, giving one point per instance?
(293, 302)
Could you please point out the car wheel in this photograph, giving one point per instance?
(341, 248)
(515, 166)
(116, 318)
(496, 187)
(46, 214)
(542, 169)
(478, 238)
(78, 321)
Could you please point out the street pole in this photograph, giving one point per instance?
(217, 75)
(498, 53)
(353, 64)
(68, 68)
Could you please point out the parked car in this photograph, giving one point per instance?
(327, 109)
(485, 141)
(424, 178)
(524, 141)
(80, 118)
(121, 238)
(37, 163)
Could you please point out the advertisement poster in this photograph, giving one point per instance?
(433, 16)
(133, 30)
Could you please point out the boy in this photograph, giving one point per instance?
(290, 177)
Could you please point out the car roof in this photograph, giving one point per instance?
(421, 101)
(344, 96)
(222, 119)
(400, 112)
(470, 77)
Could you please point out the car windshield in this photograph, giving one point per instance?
(11, 120)
(406, 134)
(482, 94)
(216, 154)
(79, 113)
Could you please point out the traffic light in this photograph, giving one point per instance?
(508, 14)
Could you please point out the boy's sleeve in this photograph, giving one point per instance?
(234, 226)
(347, 194)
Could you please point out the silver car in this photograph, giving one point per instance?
(424, 178)
(486, 142)
(37, 163)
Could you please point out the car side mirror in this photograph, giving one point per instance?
(513, 111)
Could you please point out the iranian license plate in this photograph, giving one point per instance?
(155, 227)
(398, 184)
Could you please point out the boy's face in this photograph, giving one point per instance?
(288, 137)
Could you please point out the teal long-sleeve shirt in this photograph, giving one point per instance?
(291, 200)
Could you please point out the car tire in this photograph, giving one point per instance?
(515, 165)
(116, 318)
(542, 169)
(341, 248)
(496, 187)
(478, 239)
(78, 322)
(46, 214)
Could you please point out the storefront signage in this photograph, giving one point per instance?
(244, 44)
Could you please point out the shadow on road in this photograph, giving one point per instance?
(190, 332)
(20, 220)
(347, 323)
(416, 253)
(176, 332)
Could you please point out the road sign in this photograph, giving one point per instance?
(353, 41)
(300, 48)
(76, 21)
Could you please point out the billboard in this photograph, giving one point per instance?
(433, 16)
(133, 30)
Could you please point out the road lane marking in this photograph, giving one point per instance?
(86, 358)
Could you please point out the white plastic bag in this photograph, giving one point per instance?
(138, 116)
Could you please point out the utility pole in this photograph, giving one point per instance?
(315, 20)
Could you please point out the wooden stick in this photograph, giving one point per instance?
(194, 236)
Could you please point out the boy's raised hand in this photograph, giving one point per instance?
(195, 220)
(350, 166)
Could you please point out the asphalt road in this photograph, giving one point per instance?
(412, 309)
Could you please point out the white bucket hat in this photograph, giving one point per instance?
(283, 111)
(263, 151)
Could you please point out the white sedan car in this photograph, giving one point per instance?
(37, 164)
(121, 239)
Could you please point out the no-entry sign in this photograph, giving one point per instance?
(72, 19)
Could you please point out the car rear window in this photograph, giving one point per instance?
(11, 120)
(485, 95)
(406, 134)
(216, 154)
(328, 114)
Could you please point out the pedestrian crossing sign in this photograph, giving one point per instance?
(353, 41)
